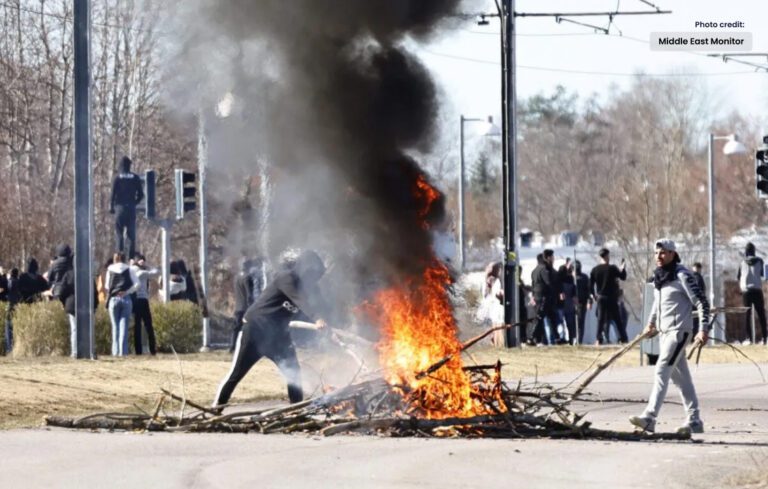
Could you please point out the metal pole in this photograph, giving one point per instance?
(461, 197)
(165, 227)
(83, 180)
(202, 161)
(712, 250)
(511, 312)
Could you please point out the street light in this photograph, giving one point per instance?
(732, 147)
(490, 129)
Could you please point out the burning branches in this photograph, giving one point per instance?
(378, 407)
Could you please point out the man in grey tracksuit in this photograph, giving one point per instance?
(675, 296)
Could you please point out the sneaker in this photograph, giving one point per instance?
(645, 423)
(692, 426)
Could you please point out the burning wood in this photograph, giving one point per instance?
(377, 406)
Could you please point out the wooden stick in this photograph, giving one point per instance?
(602, 366)
(437, 365)
(716, 340)
(187, 401)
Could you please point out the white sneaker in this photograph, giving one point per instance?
(645, 423)
(692, 426)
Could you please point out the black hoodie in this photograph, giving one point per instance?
(127, 189)
(292, 295)
(31, 284)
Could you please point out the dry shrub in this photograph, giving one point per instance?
(40, 329)
(102, 331)
(177, 324)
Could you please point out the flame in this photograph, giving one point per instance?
(419, 330)
(427, 195)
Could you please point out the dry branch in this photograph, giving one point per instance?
(602, 366)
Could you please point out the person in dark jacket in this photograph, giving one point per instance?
(127, 192)
(31, 283)
(546, 293)
(142, 315)
(121, 281)
(604, 285)
(61, 276)
(14, 297)
(243, 298)
(266, 332)
(750, 277)
(186, 288)
(583, 299)
(567, 303)
(696, 270)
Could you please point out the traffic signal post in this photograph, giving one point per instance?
(761, 169)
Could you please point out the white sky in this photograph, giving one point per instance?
(473, 87)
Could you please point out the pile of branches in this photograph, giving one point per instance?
(372, 406)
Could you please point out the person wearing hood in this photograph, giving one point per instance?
(292, 295)
(127, 192)
(750, 277)
(546, 293)
(61, 276)
(31, 283)
(243, 298)
(675, 298)
(121, 281)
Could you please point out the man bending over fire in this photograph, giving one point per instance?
(289, 297)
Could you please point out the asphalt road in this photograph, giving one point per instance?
(735, 411)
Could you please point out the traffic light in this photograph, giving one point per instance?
(761, 169)
(186, 192)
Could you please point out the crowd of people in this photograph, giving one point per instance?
(561, 298)
(123, 288)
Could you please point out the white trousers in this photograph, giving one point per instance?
(672, 365)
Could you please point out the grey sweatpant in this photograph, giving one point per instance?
(673, 365)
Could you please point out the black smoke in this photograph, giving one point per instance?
(328, 93)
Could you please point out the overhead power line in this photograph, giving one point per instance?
(582, 72)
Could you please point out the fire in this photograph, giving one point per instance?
(418, 330)
(427, 195)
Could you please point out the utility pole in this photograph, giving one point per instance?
(83, 180)
(506, 13)
(202, 162)
(509, 168)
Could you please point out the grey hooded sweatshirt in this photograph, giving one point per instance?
(674, 302)
(750, 273)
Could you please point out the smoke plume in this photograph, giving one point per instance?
(327, 94)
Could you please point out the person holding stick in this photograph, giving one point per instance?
(292, 295)
(675, 296)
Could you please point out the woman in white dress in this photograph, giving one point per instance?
(491, 308)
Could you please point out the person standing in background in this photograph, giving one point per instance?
(583, 299)
(142, 315)
(121, 282)
(243, 298)
(696, 270)
(604, 285)
(127, 192)
(750, 277)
